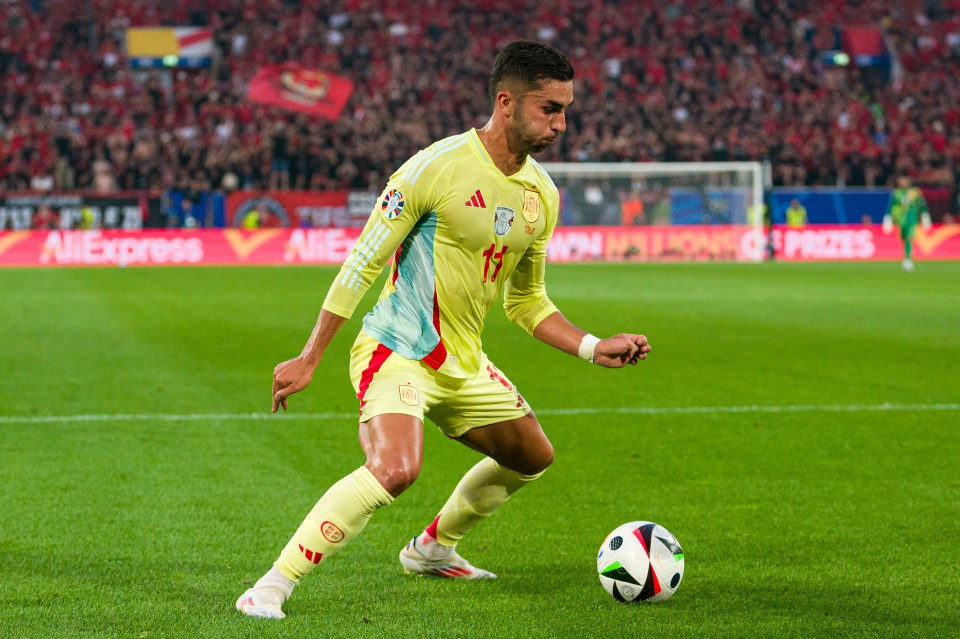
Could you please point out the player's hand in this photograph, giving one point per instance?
(290, 377)
(620, 350)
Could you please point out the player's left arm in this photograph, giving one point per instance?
(613, 352)
(527, 304)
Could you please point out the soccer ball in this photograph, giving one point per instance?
(640, 561)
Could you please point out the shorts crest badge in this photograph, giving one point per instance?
(409, 395)
(503, 220)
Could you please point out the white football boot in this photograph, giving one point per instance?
(262, 602)
(423, 555)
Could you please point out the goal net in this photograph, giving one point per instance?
(663, 200)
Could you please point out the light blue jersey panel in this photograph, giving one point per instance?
(403, 322)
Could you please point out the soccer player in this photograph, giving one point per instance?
(907, 207)
(465, 220)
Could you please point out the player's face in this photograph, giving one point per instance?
(538, 117)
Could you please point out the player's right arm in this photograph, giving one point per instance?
(399, 208)
(295, 374)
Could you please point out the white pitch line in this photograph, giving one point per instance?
(613, 410)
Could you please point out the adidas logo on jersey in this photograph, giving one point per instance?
(476, 200)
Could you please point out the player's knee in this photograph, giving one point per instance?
(535, 461)
(396, 478)
(545, 458)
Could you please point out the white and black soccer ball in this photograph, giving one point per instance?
(640, 561)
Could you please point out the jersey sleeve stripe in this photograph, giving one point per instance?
(365, 252)
(426, 155)
(412, 178)
(365, 249)
(350, 277)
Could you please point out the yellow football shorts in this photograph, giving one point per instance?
(386, 382)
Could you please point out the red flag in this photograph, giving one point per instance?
(301, 89)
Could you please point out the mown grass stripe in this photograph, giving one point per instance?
(619, 410)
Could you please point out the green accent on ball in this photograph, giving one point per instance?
(618, 573)
(678, 557)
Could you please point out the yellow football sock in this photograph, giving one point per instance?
(337, 518)
(482, 490)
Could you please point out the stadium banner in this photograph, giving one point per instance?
(654, 243)
(162, 47)
(867, 242)
(277, 246)
(75, 210)
(298, 88)
(315, 209)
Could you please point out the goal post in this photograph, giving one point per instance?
(698, 197)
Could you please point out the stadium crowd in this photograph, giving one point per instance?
(669, 81)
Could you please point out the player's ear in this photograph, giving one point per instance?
(505, 102)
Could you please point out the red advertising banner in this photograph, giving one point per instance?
(176, 248)
(569, 244)
(854, 242)
(297, 88)
(655, 243)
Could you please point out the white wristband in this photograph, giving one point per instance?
(587, 346)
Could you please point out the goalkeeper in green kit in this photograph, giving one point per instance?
(907, 208)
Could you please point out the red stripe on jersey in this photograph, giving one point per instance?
(439, 354)
(380, 355)
(396, 265)
(480, 199)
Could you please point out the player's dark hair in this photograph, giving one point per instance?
(530, 63)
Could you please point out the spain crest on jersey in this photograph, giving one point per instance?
(531, 205)
(503, 220)
(392, 204)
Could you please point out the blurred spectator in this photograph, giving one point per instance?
(45, 218)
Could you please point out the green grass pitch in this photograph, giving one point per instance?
(796, 427)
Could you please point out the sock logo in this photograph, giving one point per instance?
(311, 555)
(331, 532)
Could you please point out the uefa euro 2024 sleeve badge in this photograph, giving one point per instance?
(392, 204)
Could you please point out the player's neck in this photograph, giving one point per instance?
(494, 138)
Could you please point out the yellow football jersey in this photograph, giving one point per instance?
(461, 233)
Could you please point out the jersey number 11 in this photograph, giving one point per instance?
(497, 258)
